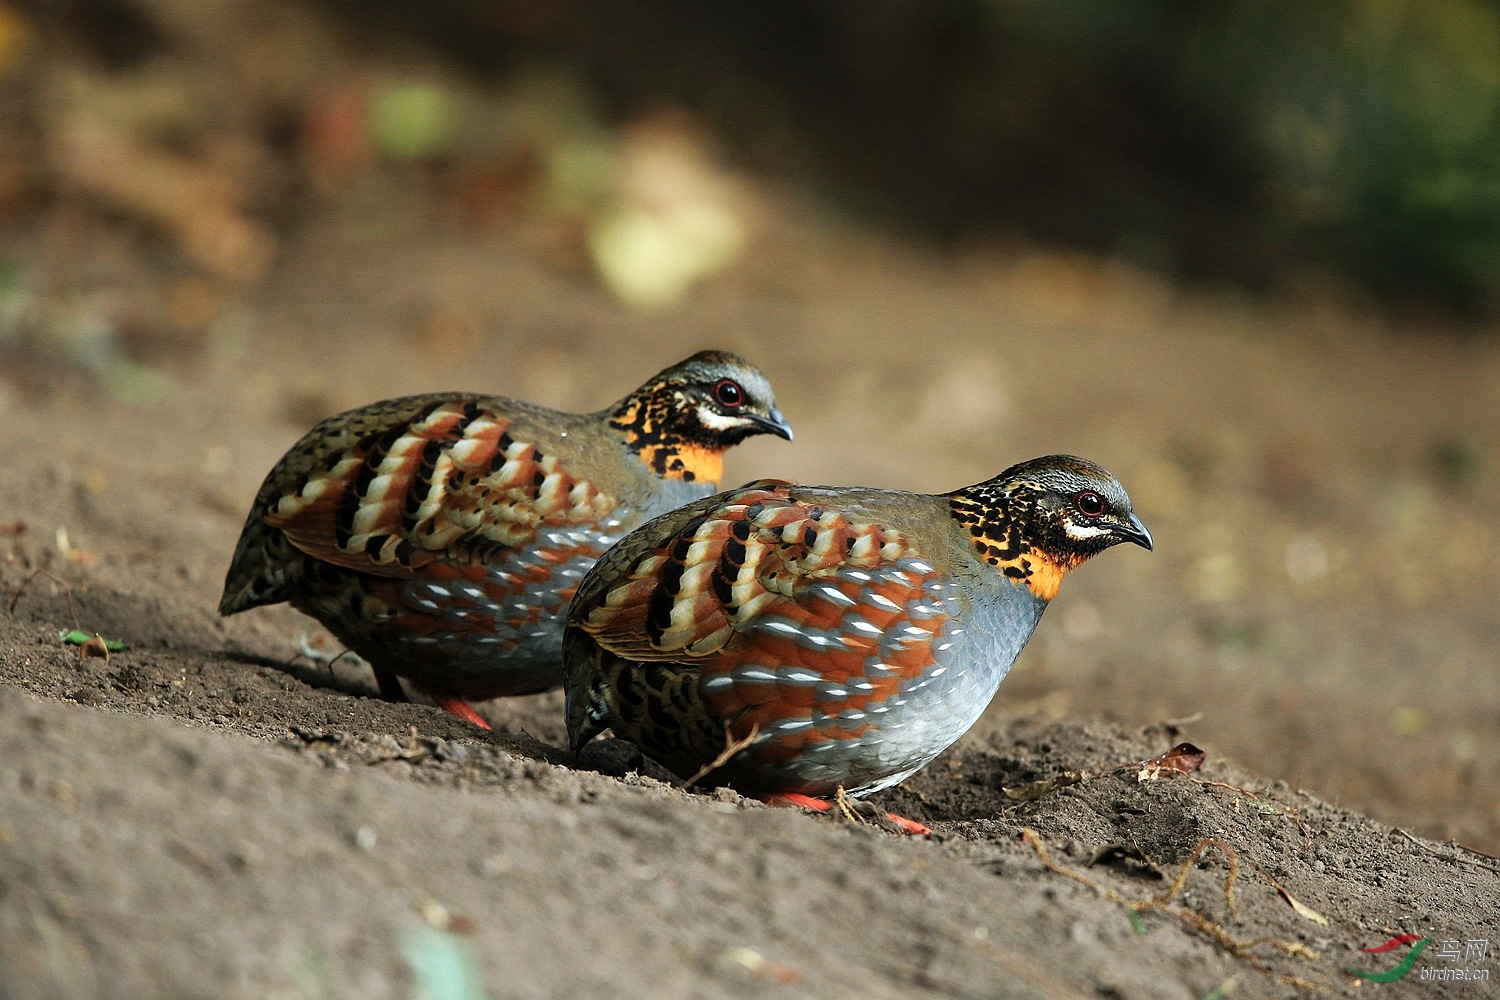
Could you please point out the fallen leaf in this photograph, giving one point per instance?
(1303, 910)
(1184, 758)
(754, 961)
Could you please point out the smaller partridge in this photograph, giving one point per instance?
(441, 537)
(798, 640)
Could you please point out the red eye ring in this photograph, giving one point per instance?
(1091, 504)
(729, 393)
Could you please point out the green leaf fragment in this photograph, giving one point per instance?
(443, 966)
(77, 637)
(1222, 990)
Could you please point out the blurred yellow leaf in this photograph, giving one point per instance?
(650, 259)
(1408, 720)
(675, 218)
(13, 30)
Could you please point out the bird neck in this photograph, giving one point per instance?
(645, 419)
(1008, 531)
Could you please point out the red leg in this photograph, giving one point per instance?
(910, 827)
(462, 709)
(797, 799)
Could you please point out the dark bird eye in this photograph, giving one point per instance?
(728, 392)
(1091, 504)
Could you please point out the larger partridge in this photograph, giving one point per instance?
(441, 537)
(833, 637)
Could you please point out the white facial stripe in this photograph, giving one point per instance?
(717, 421)
(1085, 531)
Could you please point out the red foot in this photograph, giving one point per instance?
(462, 709)
(797, 799)
(910, 827)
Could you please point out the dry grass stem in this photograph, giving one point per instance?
(732, 746)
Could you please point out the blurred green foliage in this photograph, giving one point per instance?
(1227, 140)
(1223, 139)
(413, 120)
(1376, 128)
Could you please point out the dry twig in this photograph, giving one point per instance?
(42, 571)
(1456, 857)
(1190, 918)
(732, 746)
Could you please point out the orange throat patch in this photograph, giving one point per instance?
(645, 420)
(1042, 574)
(1000, 539)
(682, 460)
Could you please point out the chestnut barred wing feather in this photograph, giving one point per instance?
(421, 480)
(810, 640)
(675, 589)
(443, 537)
(764, 615)
(755, 569)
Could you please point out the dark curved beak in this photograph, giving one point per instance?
(1134, 531)
(773, 423)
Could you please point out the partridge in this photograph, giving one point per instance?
(441, 537)
(798, 640)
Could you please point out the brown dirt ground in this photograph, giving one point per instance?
(210, 815)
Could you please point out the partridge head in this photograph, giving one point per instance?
(830, 637)
(441, 537)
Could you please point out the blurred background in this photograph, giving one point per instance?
(1245, 254)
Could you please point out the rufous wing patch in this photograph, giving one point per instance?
(448, 483)
(778, 621)
(699, 591)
